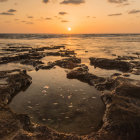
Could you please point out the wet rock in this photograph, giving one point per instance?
(17, 49)
(122, 117)
(111, 64)
(67, 53)
(81, 73)
(53, 54)
(126, 58)
(49, 66)
(8, 123)
(31, 62)
(68, 63)
(116, 74)
(128, 90)
(111, 83)
(16, 80)
(21, 57)
(136, 72)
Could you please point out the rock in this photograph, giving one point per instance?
(16, 81)
(111, 64)
(68, 63)
(31, 62)
(128, 90)
(8, 123)
(121, 120)
(126, 58)
(81, 73)
(122, 116)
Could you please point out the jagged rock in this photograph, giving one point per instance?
(16, 80)
(81, 73)
(111, 64)
(126, 58)
(68, 63)
(31, 62)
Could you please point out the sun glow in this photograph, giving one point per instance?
(69, 28)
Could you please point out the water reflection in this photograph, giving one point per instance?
(65, 105)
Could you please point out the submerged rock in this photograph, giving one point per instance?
(111, 64)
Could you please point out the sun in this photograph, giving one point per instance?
(69, 28)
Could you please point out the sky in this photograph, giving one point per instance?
(57, 16)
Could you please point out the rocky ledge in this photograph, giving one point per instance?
(111, 64)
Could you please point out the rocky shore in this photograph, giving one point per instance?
(120, 94)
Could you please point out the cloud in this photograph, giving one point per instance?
(64, 21)
(134, 12)
(118, 1)
(29, 23)
(48, 18)
(117, 14)
(11, 10)
(30, 17)
(45, 1)
(63, 13)
(75, 2)
(6, 13)
(3, 0)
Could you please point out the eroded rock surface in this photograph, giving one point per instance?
(81, 73)
(111, 64)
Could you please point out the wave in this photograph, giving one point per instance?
(46, 36)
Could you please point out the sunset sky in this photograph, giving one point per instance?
(82, 16)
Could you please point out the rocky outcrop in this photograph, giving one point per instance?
(111, 64)
(81, 73)
(14, 81)
(122, 116)
(68, 63)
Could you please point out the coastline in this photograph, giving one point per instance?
(120, 94)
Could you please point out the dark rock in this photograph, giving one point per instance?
(128, 90)
(31, 62)
(116, 74)
(126, 58)
(68, 63)
(81, 73)
(111, 83)
(8, 123)
(121, 120)
(111, 64)
(49, 66)
(16, 80)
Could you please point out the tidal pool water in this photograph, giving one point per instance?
(65, 105)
